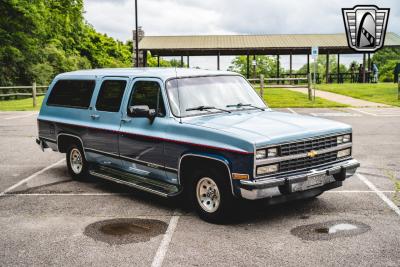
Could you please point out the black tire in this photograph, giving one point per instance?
(223, 211)
(76, 173)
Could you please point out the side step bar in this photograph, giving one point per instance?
(145, 184)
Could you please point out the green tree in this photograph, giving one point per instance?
(264, 65)
(386, 60)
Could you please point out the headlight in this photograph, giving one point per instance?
(267, 153)
(344, 153)
(267, 169)
(343, 139)
(272, 152)
(261, 154)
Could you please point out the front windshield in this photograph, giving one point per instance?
(210, 94)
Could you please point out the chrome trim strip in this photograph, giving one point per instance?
(302, 155)
(207, 157)
(106, 177)
(148, 164)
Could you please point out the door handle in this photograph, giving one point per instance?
(126, 120)
(94, 116)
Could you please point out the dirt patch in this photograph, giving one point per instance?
(125, 230)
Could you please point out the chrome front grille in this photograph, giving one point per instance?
(308, 145)
(307, 163)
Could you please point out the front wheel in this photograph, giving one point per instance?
(76, 162)
(212, 197)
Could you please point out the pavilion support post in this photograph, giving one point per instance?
(338, 68)
(327, 68)
(248, 66)
(144, 58)
(218, 61)
(254, 67)
(369, 62)
(363, 69)
(187, 61)
(308, 63)
(277, 67)
(181, 61)
(290, 67)
(158, 61)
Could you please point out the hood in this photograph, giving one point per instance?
(268, 127)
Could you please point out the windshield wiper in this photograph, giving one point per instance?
(201, 108)
(239, 105)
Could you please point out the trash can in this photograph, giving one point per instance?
(396, 73)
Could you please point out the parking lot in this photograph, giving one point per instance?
(48, 219)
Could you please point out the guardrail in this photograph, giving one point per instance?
(264, 83)
(7, 92)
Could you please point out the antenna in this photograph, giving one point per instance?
(179, 99)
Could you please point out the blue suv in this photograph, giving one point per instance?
(206, 135)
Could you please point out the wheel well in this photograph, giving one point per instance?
(64, 141)
(189, 164)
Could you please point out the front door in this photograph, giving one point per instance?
(141, 142)
(103, 131)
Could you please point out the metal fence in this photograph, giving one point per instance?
(280, 82)
(17, 92)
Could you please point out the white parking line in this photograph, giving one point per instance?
(66, 194)
(375, 115)
(291, 110)
(379, 193)
(20, 116)
(30, 177)
(163, 248)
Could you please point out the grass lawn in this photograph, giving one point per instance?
(283, 98)
(385, 93)
(20, 104)
(275, 97)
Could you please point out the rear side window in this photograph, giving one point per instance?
(72, 93)
(148, 93)
(110, 95)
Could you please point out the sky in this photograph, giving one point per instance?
(188, 17)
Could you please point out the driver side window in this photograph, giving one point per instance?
(148, 93)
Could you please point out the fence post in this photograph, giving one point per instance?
(398, 89)
(34, 94)
(262, 86)
(309, 86)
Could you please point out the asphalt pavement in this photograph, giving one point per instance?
(48, 219)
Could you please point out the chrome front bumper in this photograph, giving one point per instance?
(271, 187)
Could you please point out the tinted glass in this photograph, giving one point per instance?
(72, 93)
(110, 95)
(148, 93)
(217, 91)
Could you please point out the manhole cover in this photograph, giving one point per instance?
(125, 230)
(329, 230)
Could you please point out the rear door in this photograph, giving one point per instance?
(105, 113)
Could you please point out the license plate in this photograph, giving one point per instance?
(311, 182)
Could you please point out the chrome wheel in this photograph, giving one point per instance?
(75, 159)
(208, 195)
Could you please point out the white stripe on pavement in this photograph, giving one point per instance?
(66, 194)
(379, 193)
(20, 116)
(30, 177)
(163, 248)
(291, 110)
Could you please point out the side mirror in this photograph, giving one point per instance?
(142, 111)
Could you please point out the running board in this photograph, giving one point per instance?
(145, 184)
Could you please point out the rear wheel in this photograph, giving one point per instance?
(76, 162)
(212, 196)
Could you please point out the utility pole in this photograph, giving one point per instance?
(136, 37)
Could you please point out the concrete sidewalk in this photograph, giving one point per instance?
(340, 98)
